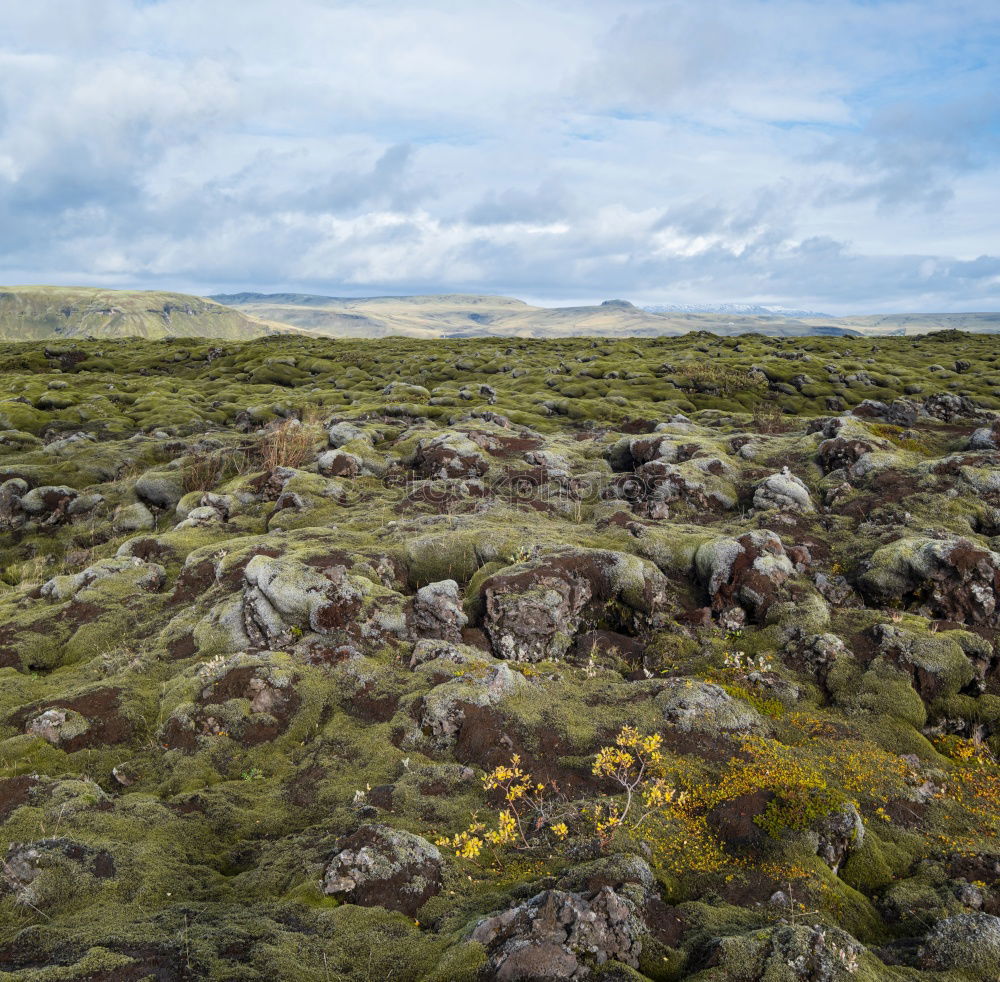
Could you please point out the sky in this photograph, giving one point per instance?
(832, 155)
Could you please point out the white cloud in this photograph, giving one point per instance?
(695, 149)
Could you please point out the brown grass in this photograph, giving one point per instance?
(203, 471)
(289, 444)
(768, 418)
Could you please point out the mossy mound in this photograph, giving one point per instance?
(271, 612)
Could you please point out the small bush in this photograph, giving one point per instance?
(723, 380)
(769, 418)
(290, 444)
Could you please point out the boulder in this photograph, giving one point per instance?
(948, 407)
(952, 579)
(280, 594)
(966, 943)
(133, 518)
(449, 455)
(840, 452)
(200, 517)
(57, 726)
(558, 934)
(783, 491)
(538, 622)
(338, 463)
(379, 866)
(692, 705)
(838, 834)
(250, 697)
(340, 433)
(748, 571)
(816, 654)
(34, 872)
(936, 663)
(901, 412)
(437, 612)
(47, 499)
(986, 437)
(11, 492)
(534, 610)
(790, 953)
(161, 489)
(143, 575)
(83, 504)
(443, 710)
(428, 650)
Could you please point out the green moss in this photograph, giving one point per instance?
(219, 844)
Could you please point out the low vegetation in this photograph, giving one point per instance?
(668, 659)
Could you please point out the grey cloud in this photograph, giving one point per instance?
(384, 182)
(909, 153)
(549, 202)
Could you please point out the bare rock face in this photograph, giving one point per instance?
(747, 572)
(783, 491)
(379, 866)
(951, 579)
(558, 934)
(437, 612)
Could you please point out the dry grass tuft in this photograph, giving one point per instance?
(291, 443)
(768, 418)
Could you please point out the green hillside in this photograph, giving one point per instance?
(37, 313)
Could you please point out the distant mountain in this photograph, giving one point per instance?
(37, 313)
(465, 315)
(741, 309)
(43, 312)
(984, 322)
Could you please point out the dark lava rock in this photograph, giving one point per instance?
(561, 935)
(379, 866)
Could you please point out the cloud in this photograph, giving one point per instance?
(776, 150)
(549, 202)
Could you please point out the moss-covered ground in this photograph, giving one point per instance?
(183, 743)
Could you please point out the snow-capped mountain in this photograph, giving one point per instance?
(753, 309)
